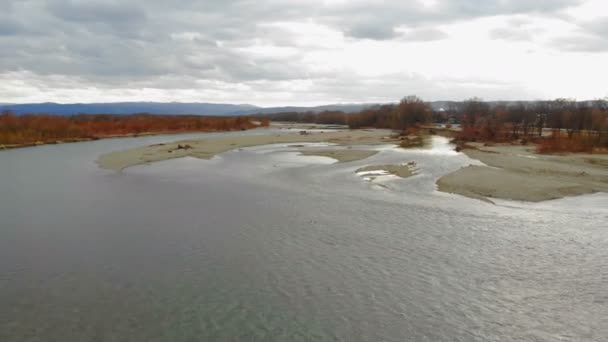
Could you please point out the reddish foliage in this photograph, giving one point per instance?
(264, 122)
(27, 129)
(326, 117)
(561, 142)
(410, 112)
(577, 127)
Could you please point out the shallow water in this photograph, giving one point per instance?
(262, 244)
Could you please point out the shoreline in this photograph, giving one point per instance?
(114, 136)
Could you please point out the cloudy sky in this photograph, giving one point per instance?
(301, 52)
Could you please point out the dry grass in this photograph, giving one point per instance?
(576, 143)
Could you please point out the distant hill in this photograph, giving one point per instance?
(347, 108)
(130, 108)
(176, 108)
(211, 109)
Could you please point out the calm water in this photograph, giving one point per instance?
(265, 245)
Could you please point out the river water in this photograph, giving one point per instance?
(262, 244)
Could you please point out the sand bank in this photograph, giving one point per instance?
(399, 170)
(207, 148)
(517, 173)
(343, 156)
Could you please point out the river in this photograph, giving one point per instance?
(262, 244)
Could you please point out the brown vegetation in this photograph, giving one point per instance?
(264, 122)
(325, 118)
(410, 112)
(556, 126)
(40, 128)
(583, 141)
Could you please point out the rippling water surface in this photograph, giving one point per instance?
(262, 244)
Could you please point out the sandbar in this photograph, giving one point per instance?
(516, 172)
(343, 156)
(207, 148)
(400, 170)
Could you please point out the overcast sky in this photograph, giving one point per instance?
(301, 52)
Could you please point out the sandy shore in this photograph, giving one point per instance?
(517, 173)
(207, 148)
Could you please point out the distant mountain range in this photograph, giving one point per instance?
(211, 109)
(174, 108)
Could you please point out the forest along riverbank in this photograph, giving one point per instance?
(40, 129)
(512, 172)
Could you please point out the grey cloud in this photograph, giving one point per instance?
(484, 8)
(380, 18)
(424, 35)
(372, 31)
(108, 43)
(520, 28)
(581, 43)
(6, 6)
(513, 34)
(598, 27)
(96, 11)
(593, 37)
(395, 86)
(321, 89)
(9, 27)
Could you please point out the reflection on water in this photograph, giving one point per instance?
(263, 244)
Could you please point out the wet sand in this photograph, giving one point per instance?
(342, 156)
(399, 170)
(207, 148)
(518, 173)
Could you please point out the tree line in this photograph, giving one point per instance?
(561, 125)
(44, 128)
(557, 125)
(409, 112)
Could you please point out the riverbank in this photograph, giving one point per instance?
(207, 148)
(112, 136)
(39, 129)
(518, 173)
(52, 142)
